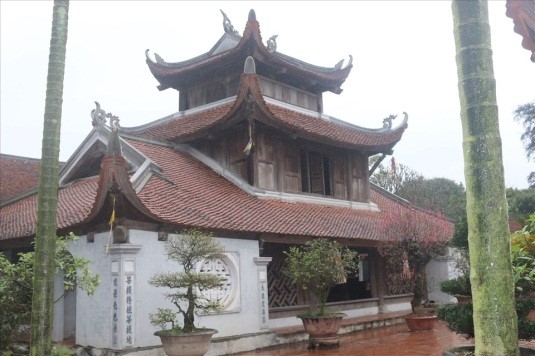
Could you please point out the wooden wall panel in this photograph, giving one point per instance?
(291, 168)
(338, 165)
(265, 152)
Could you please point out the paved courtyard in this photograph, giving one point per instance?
(393, 340)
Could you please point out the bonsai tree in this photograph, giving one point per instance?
(318, 266)
(412, 238)
(188, 249)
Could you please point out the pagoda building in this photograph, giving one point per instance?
(251, 157)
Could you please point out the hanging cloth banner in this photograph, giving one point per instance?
(249, 146)
(112, 220)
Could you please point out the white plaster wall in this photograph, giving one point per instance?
(93, 313)
(438, 270)
(151, 259)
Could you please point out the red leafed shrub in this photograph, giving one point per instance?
(411, 239)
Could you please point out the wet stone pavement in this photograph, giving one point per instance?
(392, 340)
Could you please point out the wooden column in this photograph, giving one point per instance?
(378, 279)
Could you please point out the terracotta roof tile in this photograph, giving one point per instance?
(195, 195)
(74, 203)
(18, 175)
(302, 123)
(192, 194)
(187, 125)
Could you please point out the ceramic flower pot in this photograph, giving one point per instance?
(186, 344)
(420, 323)
(323, 330)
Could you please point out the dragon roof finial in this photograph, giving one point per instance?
(227, 25)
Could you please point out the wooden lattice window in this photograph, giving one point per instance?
(282, 293)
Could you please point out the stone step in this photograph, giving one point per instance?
(350, 324)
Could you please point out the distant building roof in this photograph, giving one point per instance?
(18, 175)
(523, 14)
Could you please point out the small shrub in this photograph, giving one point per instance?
(318, 266)
(457, 286)
(16, 285)
(60, 350)
(526, 328)
(458, 317)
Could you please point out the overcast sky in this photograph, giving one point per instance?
(404, 60)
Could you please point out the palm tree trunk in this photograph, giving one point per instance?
(45, 239)
(495, 319)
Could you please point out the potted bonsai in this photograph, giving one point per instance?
(189, 248)
(412, 239)
(318, 266)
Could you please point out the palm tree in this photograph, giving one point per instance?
(45, 239)
(495, 319)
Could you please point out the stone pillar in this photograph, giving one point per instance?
(59, 312)
(378, 278)
(263, 297)
(123, 295)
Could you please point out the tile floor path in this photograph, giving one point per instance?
(393, 340)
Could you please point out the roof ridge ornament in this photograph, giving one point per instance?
(250, 66)
(272, 44)
(227, 25)
(338, 65)
(99, 118)
(387, 121)
(252, 15)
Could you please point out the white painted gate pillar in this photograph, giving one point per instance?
(123, 268)
(263, 297)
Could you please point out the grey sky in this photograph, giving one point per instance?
(403, 54)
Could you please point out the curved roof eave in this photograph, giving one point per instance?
(163, 71)
(294, 121)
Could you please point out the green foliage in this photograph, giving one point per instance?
(526, 327)
(460, 233)
(318, 266)
(393, 177)
(60, 350)
(525, 114)
(457, 286)
(440, 195)
(188, 249)
(459, 318)
(16, 285)
(523, 257)
(164, 316)
(521, 203)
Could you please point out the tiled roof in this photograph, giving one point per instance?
(335, 76)
(187, 125)
(17, 176)
(313, 127)
(335, 132)
(19, 219)
(192, 194)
